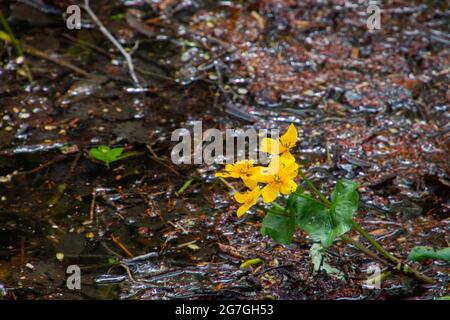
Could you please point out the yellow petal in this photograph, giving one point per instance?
(222, 174)
(269, 193)
(261, 175)
(292, 174)
(244, 163)
(250, 162)
(288, 187)
(243, 209)
(255, 193)
(240, 197)
(250, 183)
(270, 146)
(274, 166)
(287, 158)
(289, 139)
(233, 170)
(230, 167)
(289, 172)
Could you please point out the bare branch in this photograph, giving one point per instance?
(113, 40)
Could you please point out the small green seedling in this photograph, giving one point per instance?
(107, 155)
(113, 261)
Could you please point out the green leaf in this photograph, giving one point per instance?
(115, 153)
(278, 225)
(325, 224)
(106, 154)
(314, 218)
(320, 262)
(5, 37)
(97, 154)
(291, 200)
(345, 201)
(345, 190)
(104, 149)
(118, 16)
(250, 262)
(427, 253)
(342, 215)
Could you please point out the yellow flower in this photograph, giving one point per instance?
(241, 169)
(278, 177)
(248, 200)
(283, 145)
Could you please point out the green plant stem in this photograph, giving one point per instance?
(356, 226)
(362, 248)
(275, 205)
(16, 43)
(375, 244)
(62, 187)
(278, 206)
(313, 188)
(400, 266)
(184, 187)
(405, 268)
(129, 154)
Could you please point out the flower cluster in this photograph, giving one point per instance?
(266, 182)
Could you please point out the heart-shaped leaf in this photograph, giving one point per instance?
(325, 223)
(345, 190)
(314, 218)
(345, 201)
(279, 225)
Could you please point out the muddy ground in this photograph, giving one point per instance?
(369, 105)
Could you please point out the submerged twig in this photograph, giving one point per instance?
(121, 246)
(88, 45)
(225, 182)
(44, 165)
(63, 186)
(158, 159)
(114, 41)
(92, 207)
(55, 60)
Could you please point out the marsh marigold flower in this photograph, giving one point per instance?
(248, 200)
(283, 145)
(278, 177)
(241, 169)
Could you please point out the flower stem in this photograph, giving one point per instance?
(405, 268)
(313, 188)
(375, 244)
(278, 206)
(362, 248)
